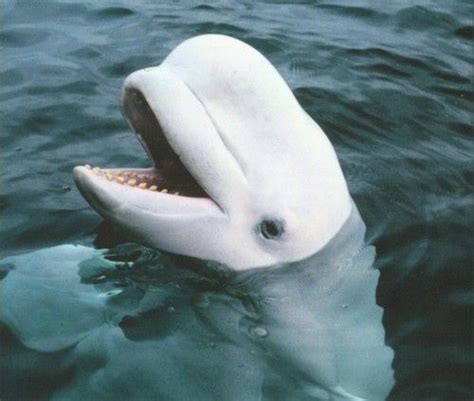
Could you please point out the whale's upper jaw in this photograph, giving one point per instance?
(241, 174)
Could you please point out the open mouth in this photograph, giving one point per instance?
(168, 174)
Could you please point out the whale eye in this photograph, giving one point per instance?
(271, 228)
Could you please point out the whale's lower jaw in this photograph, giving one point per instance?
(159, 219)
(115, 191)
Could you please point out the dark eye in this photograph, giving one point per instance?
(271, 228)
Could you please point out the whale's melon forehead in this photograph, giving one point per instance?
(215, 60)
(241, 174)
(235, 81)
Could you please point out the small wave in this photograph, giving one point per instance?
(465, 32)
(214, 27)
(421, 18)
(114, 12)
(85, 53)
(204, 7)
(389, 70)
(451, 76)
(358, 12)
(23, 37)
(392, 57)
(11, 77)
(265, 45)
(458, 93)
(78, 87)
(127, 66)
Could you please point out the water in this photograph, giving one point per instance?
(390, 84)
(181, 329)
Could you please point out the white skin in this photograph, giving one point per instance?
(243, 136)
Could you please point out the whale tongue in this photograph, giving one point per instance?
(168, 166)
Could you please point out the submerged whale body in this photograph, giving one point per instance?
(274, 298)
(181, 329)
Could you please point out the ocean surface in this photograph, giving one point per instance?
(390, 83)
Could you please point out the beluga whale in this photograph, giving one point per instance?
(262, 289)
(241, 173)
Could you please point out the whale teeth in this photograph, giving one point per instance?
(132, 179)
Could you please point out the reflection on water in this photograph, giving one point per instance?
(184, 329)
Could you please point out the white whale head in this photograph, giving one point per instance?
(241, 174)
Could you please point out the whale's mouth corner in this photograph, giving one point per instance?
(168, 175)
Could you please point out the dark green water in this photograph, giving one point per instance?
(390, 84)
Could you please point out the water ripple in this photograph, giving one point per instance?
(389, 82)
